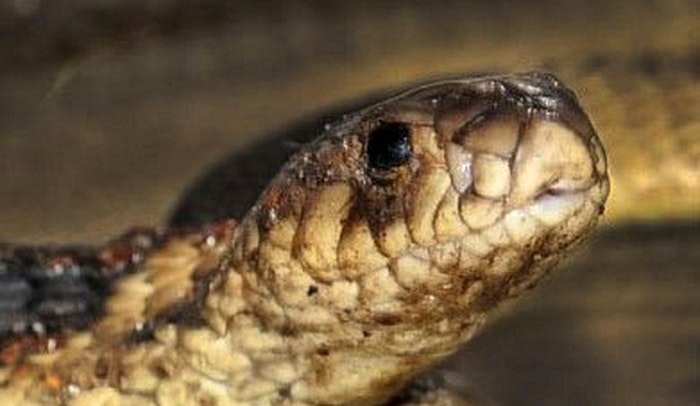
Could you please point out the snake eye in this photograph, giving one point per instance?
(389, 145)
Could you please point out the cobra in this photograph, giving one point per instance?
(378, 249)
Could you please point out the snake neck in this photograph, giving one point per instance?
(200, 317)
(353, 339)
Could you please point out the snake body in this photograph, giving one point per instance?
(376, 251)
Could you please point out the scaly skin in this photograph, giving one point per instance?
(356, 270)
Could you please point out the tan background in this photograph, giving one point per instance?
(108, 109)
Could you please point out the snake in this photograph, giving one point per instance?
(377, 250)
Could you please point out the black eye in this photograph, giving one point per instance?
(389, 145)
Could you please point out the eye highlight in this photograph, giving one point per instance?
(389, 145)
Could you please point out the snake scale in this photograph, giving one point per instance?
(376, 251)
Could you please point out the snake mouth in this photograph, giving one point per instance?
(534, 166)
(518, 139)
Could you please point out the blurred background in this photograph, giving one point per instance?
(110, 108)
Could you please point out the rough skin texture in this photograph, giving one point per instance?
(346, 279)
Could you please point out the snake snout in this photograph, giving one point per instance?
(518, 163)
(551, 159)
(535, 164)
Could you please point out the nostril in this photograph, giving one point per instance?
(559, 187)
(553, 190)
(547, 192)
(566, 184)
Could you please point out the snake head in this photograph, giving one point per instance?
(376, 251)
(381, 246)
